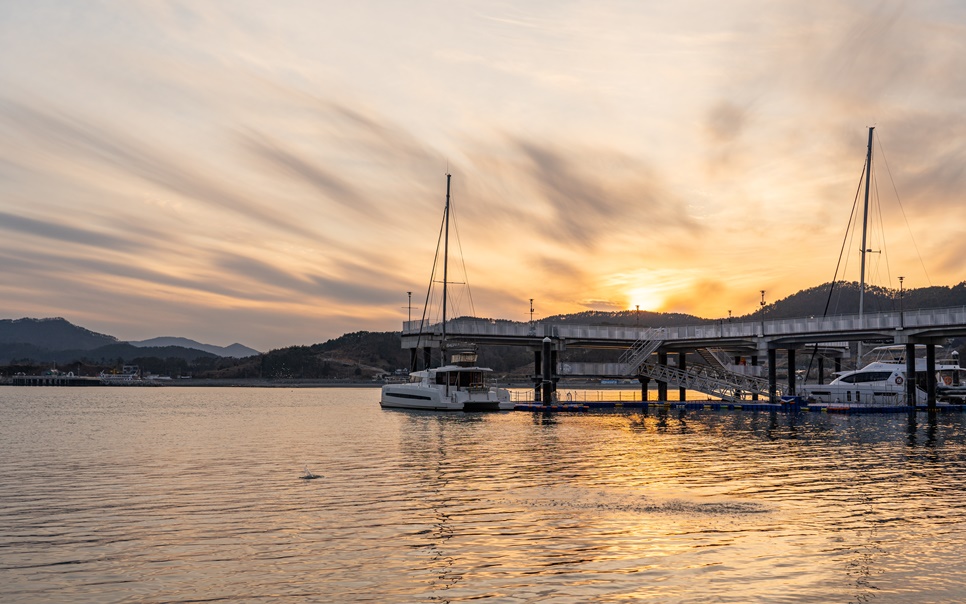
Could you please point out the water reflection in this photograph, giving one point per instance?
(193, 495)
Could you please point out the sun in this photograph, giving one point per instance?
(645, 299)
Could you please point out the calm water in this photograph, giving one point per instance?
(183, 494)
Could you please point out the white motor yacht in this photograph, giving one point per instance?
(882, 382)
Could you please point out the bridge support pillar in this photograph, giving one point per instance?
(791, 372)
(821, 370)
(683, 366)
(645, 381)
(754, 363)
(537, 370)
(427, 357)
(910, 383)
(662, 386)
(931, 376)
(554, 377)
(547, 372)
(838, 364)
(413, 358)
(772, 375)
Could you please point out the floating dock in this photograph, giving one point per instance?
(786, 407)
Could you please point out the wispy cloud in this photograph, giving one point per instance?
(282, 168)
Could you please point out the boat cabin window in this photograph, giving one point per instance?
(867, 376)
(461, 379)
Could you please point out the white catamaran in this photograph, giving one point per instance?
(459, 386)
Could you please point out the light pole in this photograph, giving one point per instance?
(410, 306)
(533, 329)
(901, 318)
(762, 304)
(637, 320)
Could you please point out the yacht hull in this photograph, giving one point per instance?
(415, 396)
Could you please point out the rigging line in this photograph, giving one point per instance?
(884, 255)
(459, 245)
(432, 275)
(902, 210)
(845, 240)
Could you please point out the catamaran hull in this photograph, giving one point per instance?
(404, 396)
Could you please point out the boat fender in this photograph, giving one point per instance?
(898, 380)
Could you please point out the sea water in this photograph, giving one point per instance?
(197, 494)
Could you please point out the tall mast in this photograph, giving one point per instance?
(442, 345)
(865, 222)
(865, 249)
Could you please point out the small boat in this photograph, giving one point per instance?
(447, 388)
(128, 374)
(882, 382)
(460, 386)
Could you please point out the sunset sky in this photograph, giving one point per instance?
(273, 173)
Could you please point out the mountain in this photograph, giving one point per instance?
(51, 334)
(236, 350)
(57, 340)
(362, 354)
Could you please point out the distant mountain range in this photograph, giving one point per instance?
(236, 350)
(59, 340)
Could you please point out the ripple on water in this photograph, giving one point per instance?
(175, 494)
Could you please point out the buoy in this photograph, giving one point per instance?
(307, 475)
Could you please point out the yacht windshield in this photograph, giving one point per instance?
(867, 376)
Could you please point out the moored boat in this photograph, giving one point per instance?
(461, 386)
(882, 382)
(447, 388)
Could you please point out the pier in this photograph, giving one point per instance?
(56, 379)
(738, 359)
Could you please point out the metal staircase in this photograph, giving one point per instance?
(716, 357)
(640, 350)
(728, 386)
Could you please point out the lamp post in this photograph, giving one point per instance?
(410, 306)
(901, 318)
(762, 304)
(637, 320)
(532, 328)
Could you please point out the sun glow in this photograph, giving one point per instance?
(645, 299)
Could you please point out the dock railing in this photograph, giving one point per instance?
(884, 322)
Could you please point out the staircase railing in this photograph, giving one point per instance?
(640, 350)
(722, 384)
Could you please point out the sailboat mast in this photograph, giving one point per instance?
(442, 345)
(865, 222)
(865, 249)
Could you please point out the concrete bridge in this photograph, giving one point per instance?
(744, 341)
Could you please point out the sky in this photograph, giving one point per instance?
(273, 173)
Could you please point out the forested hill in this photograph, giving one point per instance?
(363, 355)
(844, 300)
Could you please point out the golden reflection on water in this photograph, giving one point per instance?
(181, 494)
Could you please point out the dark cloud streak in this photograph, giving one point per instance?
(59, 232)
(87, 140)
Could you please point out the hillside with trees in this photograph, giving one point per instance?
(32, 345)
